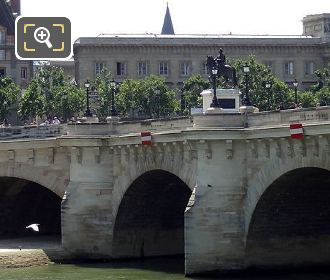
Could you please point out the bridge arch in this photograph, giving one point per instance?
(30, 194)
(54, 180)
(287, 209)
(271, 171)
(150, 218)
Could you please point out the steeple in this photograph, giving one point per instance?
(167, 25)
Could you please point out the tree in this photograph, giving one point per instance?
(31, 102)
(323, 77)
(192, 88)
(9, 93)
(306, 99)
(278, 95)
(51, 93)
(323, 96)
(149, 97)
(102, 85)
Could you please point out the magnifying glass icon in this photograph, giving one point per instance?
(42, 35)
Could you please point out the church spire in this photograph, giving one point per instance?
(167, 25)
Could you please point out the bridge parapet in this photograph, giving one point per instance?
(275, 118)
(126, 127)
(32, 131)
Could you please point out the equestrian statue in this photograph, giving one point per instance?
(223, 70)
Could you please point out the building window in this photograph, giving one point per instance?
(288, 68)
(205, 70)
(98, 68)
(24, 73)
(121, 68)
(309, 68)
(2, 55)
(327, 27)
(163, 68)
(184, 68)
(2, 37)
(142, 68)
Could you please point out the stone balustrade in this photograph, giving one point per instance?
(222, 120)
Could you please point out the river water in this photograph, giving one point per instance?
(143, 270)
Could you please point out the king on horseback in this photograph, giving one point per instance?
(223, 70)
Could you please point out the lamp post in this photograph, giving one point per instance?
(295, 85)
(113, 86)
(246, 100)
(215, 102)
(88, 111)
(268, 85)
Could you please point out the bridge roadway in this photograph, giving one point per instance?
(228, 191)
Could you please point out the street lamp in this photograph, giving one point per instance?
(113, 86)
(215, 102)
(88, 111)
(268, 85)
(246, 99)
(157, 91)
(295, 85)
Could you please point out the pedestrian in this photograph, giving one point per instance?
(56, 120)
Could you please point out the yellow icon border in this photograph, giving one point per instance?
(26, 25)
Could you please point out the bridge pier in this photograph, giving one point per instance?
(214, 226)
(86, 208)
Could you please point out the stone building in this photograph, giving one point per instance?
(20, 71)
(176, 57)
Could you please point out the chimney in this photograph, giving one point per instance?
(15, 6)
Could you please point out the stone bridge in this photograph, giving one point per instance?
(227, 191)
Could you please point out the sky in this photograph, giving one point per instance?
(258, 17)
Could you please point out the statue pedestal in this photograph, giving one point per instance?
(227, 97)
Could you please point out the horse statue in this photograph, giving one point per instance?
(223, 70)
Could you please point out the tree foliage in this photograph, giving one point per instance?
(192, 89)
(149, 97)
(51, 93)
(264, 99)
(103, 85)
(9, 93)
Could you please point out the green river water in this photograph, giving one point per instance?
(150, 269)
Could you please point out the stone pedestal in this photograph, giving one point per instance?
(228, 99)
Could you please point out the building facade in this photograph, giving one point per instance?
(20, 71)
(176, 57)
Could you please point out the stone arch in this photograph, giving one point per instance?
(271, 171)
(268, 201)
(150, 215)
(53, 180)
(125, 174)
(30, 194)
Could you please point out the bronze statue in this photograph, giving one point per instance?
(223, 70)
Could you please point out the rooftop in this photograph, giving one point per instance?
(196, 39)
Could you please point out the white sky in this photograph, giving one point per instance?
(92, 17)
